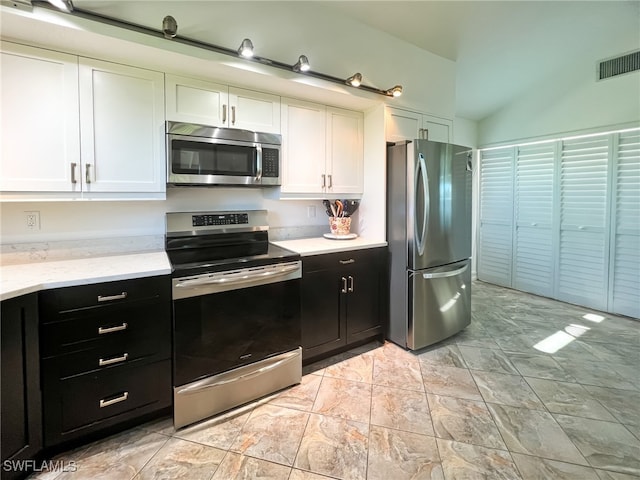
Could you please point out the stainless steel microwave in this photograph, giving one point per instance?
(202, 155)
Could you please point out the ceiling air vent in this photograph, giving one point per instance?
(619, 65)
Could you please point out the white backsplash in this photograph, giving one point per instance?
(17, 253)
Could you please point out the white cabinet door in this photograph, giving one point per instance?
(345, 147)
(196, 101)
(624, 280)
(495, 255)
(303, 147)
(255, 111)
(40, 131)
(533, 251)
(402, 125)
(436, 129)
(122, 134)
(583, 257)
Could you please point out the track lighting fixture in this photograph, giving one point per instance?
(246, 48)
(302, 65)
(394, 92)
(354, 80)
(169, 27)
(64, 5)
(170, 31)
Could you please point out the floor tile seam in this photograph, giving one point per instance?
(369, 425)
(149, 461)
(591, 419)
(195, 442)
(347, 379)
(566, 434)
(262, 459)
(304, 431)
(589, 466)
(473, 444)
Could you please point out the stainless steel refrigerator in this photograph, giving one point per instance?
(429, 236)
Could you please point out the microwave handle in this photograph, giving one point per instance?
(258, 178)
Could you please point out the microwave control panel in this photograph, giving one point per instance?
(270, 162)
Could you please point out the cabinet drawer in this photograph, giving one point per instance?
(93, 397)
(67, 299)
(81, 329)
(330, 261)
(108, 355)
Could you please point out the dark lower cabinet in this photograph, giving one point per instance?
(342, 300)
(105, 357)
(20, 407)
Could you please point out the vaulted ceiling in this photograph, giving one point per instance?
(502, 48)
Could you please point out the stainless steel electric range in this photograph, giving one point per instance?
(236, 312)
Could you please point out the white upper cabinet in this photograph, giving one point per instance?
(100, 127)
(196, 101)
(303, 147)
(407, 125)
(122, 120)
(322, 150)
(345, 151)
(40, 131)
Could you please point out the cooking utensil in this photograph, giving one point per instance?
(329, 208)
(350, 207)
(339, 208)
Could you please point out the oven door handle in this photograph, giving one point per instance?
(238, 278)
(216, 382)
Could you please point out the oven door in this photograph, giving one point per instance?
(211, 161)
(225, 320)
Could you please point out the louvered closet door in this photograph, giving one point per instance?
(583, 256)
(533, 243)
(496, 214)
(624, 289)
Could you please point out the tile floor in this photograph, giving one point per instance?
(487, 403)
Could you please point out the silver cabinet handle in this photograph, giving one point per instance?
(347, 262)
(118, 328)
(330, 181)
(87, 173)
(344, 285)
(73, 172)
(350, 289)
(109, 298)
(110, 361)
(224, 114)
(233, 115)
(324, 180)
(121, 398)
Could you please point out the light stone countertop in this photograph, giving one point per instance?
(21, 279)
(320, 245)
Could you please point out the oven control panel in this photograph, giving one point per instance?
(220, 219)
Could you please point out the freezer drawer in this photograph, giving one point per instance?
(439, 303)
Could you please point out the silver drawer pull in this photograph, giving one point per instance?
(102, 330)
(346, 262)
(110, 361)
(121, 398)
(109, 298)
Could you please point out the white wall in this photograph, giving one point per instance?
(465, 132)
(567, 104)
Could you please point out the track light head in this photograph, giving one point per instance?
(302, 65)
(246, 48)
(354, 80)
(394, 92)
(169, 27)
(64, 5)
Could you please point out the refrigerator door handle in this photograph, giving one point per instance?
(451, 273)
(421, 173)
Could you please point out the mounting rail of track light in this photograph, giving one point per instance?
(169, 30)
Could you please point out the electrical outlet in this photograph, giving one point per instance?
(311, 211)
(33, 220)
